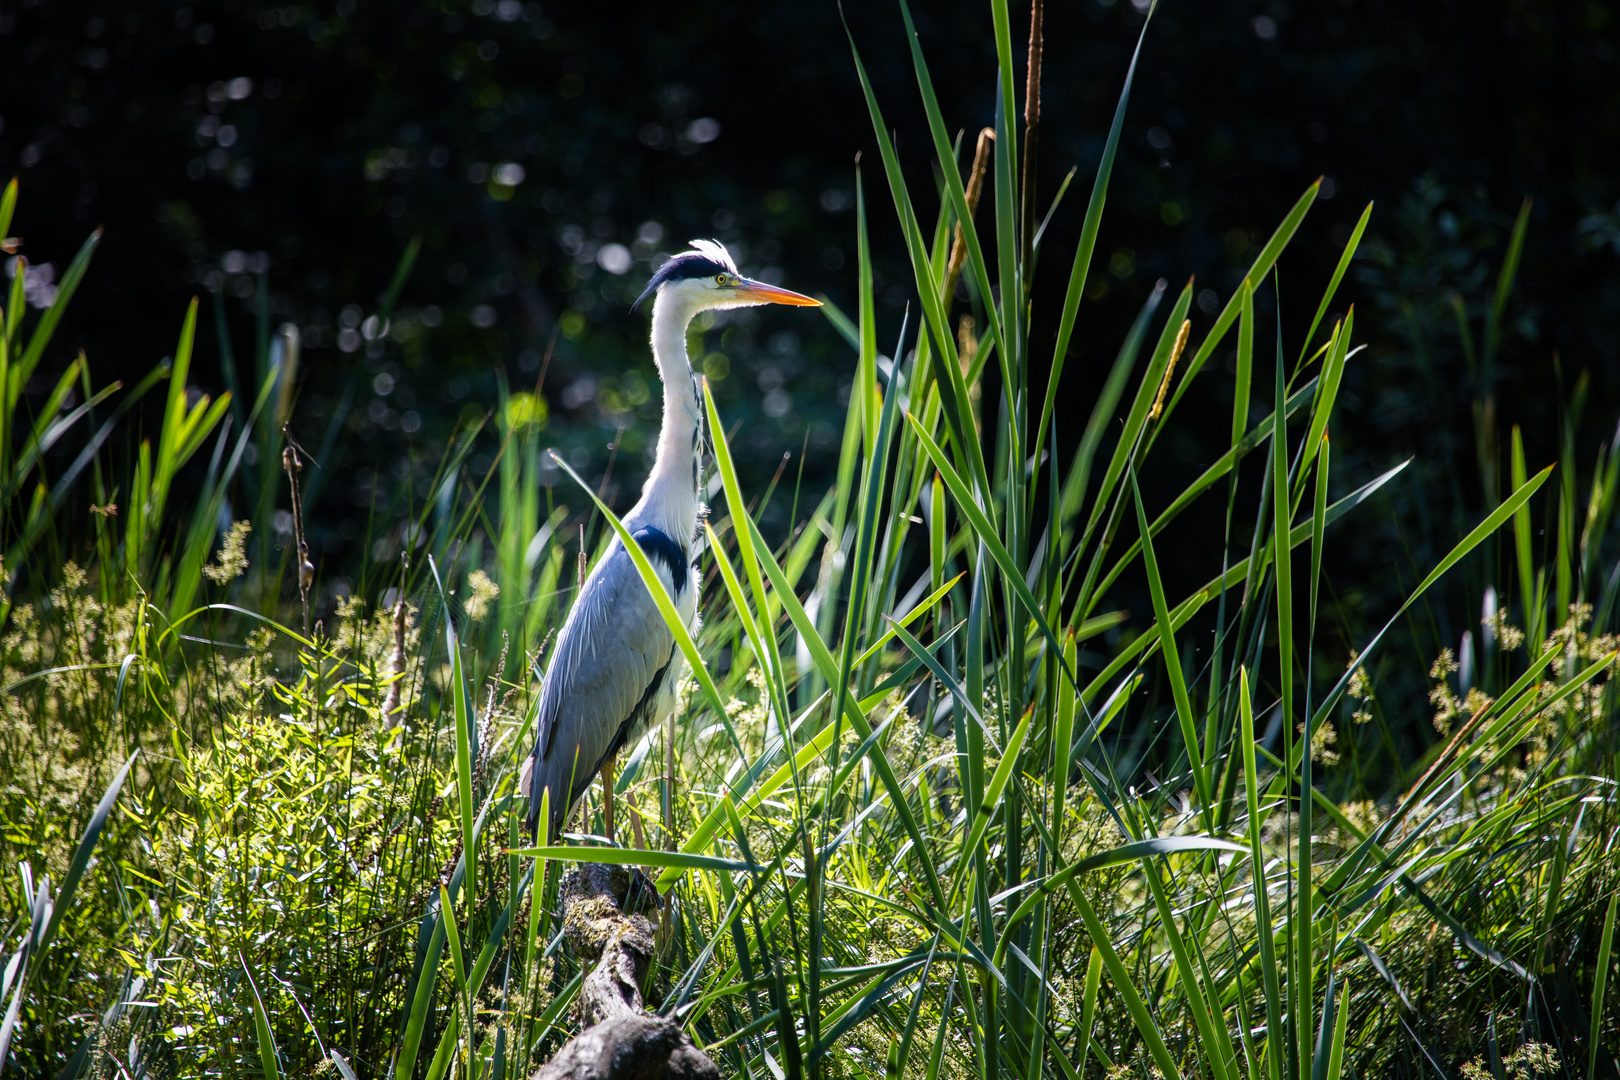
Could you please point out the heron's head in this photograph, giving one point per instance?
(706, 278)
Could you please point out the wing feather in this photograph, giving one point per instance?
(612, 648)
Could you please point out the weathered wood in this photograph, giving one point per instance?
(606, 920)
(631, 1046)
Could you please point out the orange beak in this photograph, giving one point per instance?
(770, 294)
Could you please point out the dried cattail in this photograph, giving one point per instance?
(967, 342)
(1032, 88)
(967, 349)
(975, 188)
(1032, 116)
(1170, 368)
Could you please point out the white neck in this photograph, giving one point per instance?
(669, 501)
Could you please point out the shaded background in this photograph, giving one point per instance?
(548, 155)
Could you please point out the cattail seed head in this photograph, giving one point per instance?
(983, 151)
(1170, 368)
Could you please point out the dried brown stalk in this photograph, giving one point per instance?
(669, 782)
(967, 350)
(580, 574)
(981, 166)
(306, 569)
(1032, 117)
(635, 820)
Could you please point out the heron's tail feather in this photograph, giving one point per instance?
(536, 777)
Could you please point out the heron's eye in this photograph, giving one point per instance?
(721, 279)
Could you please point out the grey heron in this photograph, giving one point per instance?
(615, 667)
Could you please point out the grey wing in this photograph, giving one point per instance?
(608, 663)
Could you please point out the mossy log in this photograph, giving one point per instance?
(606, 922)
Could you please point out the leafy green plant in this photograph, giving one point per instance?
(46, 913)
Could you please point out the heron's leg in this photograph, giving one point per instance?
(607, 795)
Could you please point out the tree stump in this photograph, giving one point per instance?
(605, 920)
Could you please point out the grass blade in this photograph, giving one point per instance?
(1062, 740)
(8, 207)
(614, 856)
(959, 418)
(396, 284)
(458, 968)
(1467, 940)
(1088, 241)
(1275, 1037)
(1088, 1004)
(1349, 253)
(829, 670)
(427, 975)
(82, 853)
(985, 533)
(1599, 983)
(992, 797)
(1136, 850)
(955, 192)
(23, 369)
(1245, 362)
(1341, 1025)
(1120, 976)
(1235, 575)
(1504, 284)
(1486, 528)
(1328, 391)
(1300, 995)
(1102, 414)
(268, 1059)
(1521, 545)
(1223, 466)
(1217, 1041)
(1172, 658)
(466, 734)
(1257, 272)
(1141, 408)
(1326, 1054)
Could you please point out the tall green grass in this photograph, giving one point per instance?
(934, 806)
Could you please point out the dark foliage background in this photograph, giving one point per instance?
(548, 155)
